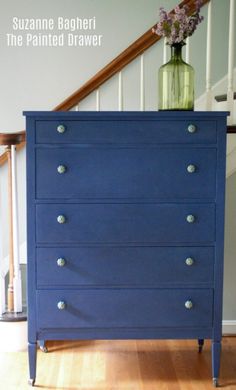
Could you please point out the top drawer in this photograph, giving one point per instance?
(125, 131)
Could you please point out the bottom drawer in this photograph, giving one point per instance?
(124, 308)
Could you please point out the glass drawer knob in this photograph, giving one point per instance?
(189, 261)
(61, 262)
(190, 218)
(191, 168)
(61, 129)
(61, 219)
(188, 304)
(61, 169)
(192, 128)
(61, 305)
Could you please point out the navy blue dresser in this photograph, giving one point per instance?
(125, 226)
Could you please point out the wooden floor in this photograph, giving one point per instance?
(121, 365)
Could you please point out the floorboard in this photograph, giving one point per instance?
(121, 365)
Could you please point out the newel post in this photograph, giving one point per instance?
(10, 290)
(14, 291)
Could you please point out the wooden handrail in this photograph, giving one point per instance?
(8, 139)
(12, 138)
(127, 56)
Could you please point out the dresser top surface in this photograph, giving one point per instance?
(151, 115)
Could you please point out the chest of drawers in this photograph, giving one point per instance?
(125, 226)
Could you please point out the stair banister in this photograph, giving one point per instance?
(230, 91)
(17, 282)
(98, 99)
(164, 50)
(142, 84)
(187, 52)
(10, 140)
(120, 91)
(10, 290)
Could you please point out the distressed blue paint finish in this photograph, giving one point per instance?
(125, 223)
(123, 172)
(125, 308)
(125, 266)
(125, 195)
(128, 129)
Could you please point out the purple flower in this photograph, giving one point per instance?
(177, 26)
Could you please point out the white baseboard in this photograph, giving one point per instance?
(229, 327)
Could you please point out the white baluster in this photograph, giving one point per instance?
(187, 54)
(2, 295)
(230, 92)
(142, 90)
(2, 273)
(17, 283)
(10, 289)
(98, 100)
(120, 92)
(77, 107)
(164, 50)
(208, 58)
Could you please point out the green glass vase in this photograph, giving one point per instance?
(176, 82)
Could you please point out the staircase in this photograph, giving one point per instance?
(132, 64)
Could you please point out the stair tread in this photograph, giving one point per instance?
(231, 129)
(223, 98)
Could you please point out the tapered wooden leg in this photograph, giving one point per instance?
(32, 350)
(216, 351)
(42, 346)
(200, 345)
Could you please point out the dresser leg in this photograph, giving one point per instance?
(32, 351)
(42, 346)
(200, 345)
(216, 351)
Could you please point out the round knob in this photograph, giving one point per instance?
(190, 218)
(61, 169)
(61, 305)
(189, 261)
(192, 128)
(61, 129)
(188, 304)
(61, 262)
(61, 219)
(191, 168)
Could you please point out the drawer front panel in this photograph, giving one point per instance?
(125, 223)
(134, 308)
(124, 266)
(104, 172)
(125, 131)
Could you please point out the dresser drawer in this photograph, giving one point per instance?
(125, 266)
(125, 223)
(120, 131)
(131, 172)
(122, 308)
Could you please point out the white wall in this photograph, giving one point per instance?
(40, 78)
(230, 250)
